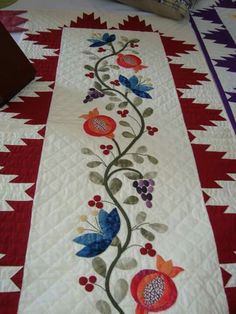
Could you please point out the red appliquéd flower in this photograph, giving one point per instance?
(123, 113)
(106, 149)
(148, 250)
(98, 125)
(88, 283)
(155, 290)
(115, 82)
(101, 49)
(90, 75)
(96, 201)
(151, 130)
(130, 61)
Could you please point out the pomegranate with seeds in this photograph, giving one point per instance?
(98, 125)
(155, 290)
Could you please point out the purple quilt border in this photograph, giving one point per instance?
(215, 76)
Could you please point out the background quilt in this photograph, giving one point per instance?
(118, 172)
(215, 27)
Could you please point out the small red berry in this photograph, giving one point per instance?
(101, 49)
(119, 112)
(148, 128)
(102, 146)
(143, 251)
(91, 203)
(110, 147)
(89, 287)
(151, 133)
(155, 129)
(92, 279)
(97, 198)
(152, 252)
(99, 205)
(148, 246)
(106, 152)
(126, 111)
(83, 281)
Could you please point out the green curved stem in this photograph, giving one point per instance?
(108, 174)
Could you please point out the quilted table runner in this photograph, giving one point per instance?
(118, 172)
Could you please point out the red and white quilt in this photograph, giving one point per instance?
(117, 171)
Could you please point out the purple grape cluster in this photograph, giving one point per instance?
(145, 189)
(92, 94)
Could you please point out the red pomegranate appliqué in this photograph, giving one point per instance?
(155, 290)
(130, 61)
(98, 125)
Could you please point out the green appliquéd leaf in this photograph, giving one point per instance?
(97, 85)
(150, 175)
(115, 241)
(137, 158)
(141, 217)
(147, 112)
(87, 151)
(124, 38)
(110, 106)
(161, 228)
(105, 77)
(96, 178)
(114, 99)
(137, 101)
(99, 266)
(124, 123)
(89, 67)
(115, 185)
(152, 159)
(128, 134)
(108, 93)
(115, 67)
(94, 164)
(127, 263)
(131, 200)
(135, 40)
(141, 149)
(121, 289)
(103, 307)
(123, 104)
(147, 234)
(103, 69)
(132, 175)
(124, 163)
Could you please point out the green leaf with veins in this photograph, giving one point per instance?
(141, 217)
(132, 175)
(124, 163)
(137, 158)
(110, 106)
(141, 149)
(147, 234)
(131, 200)
(123, 104)
(93, 164)
(128, 134)
(124, 123)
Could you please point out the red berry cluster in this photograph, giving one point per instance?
(90, 75)
(115, 82)
(96, 201)
(151, 130)
(106, 149)
(88, 282)
(101, 49)
(148, 249)
(123, 113)
(133, 45)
